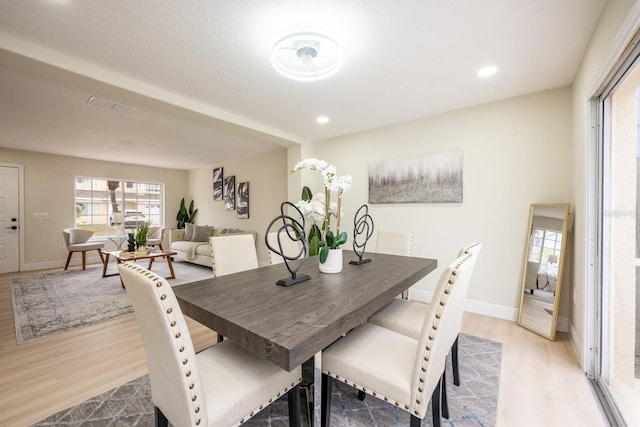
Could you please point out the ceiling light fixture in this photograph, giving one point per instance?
(487, 71)
(322, 120)
(306, 56)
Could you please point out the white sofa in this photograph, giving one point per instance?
(198, 251)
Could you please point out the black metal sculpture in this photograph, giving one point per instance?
(294, 230)
(362, 229)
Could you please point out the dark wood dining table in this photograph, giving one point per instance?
(290, 325)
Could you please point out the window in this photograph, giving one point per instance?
(114, 207)
(545, 250)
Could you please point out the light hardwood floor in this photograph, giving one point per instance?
(541, 383)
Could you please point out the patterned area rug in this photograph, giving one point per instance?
(50, 303)
(474, 403)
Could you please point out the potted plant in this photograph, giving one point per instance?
(319, 208)
(185, 215)
(141, 237)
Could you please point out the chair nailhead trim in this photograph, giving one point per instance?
(371, 392)
(173, 323)
(434, 327)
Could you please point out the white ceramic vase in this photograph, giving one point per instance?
(333, 264)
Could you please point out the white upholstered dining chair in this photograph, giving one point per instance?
(394, 243)
(406, 316)
(77, 240)
(233, 253)
(223, 385)
(394, 367)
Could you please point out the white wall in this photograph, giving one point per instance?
(267, 177)
(49, 185)
(516, 152)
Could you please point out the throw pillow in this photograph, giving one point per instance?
(188, 231)
(201, 233)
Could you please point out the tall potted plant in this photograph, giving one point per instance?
(185, 215)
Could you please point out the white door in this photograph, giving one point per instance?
(9, 224)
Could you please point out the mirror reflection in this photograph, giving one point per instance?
(544, 260)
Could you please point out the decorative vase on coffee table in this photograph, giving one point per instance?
(333, 263)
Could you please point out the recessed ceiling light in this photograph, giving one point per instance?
(487, 71)
(306, 56)
(322, 119)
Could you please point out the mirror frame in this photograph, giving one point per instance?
(556, 303)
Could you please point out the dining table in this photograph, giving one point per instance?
(289, 325)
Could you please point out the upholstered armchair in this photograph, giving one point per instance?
(76, 240)
(155, 236)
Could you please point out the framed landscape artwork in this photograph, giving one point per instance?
(243, 200)
(432, 178)
(217, 184)
(230, 193)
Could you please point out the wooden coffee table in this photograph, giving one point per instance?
(123, 256)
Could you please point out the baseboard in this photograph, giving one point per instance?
(576, 344)
(487, 309)
(484, 308)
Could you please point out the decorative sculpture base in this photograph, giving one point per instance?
(360, 261)
(293, 280)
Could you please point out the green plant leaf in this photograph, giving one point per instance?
(307, 195)
(314, 246)
(192, 216)
(330, 239)
(314, 231)
(324, 253)
(342, 239)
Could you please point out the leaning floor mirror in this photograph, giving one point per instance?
(543, 268)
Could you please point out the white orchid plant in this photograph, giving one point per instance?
(319, 208)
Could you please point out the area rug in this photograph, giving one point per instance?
(50, 303)
(474, 403)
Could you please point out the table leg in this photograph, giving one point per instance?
(317, 388)
(104, 267)
(170, 264)
(150, 263)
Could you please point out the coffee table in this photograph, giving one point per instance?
(123, 256)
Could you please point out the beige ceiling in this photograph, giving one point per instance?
(199, 74)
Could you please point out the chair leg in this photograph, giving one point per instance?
(325, 417)
(84, 260)
(415, 421)
(161, 420)
(435, 404)
(361, 395)
(220, 338)
(68, 259)
(444, 403)
(293, 400)
(454, 362)
(100, 253)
